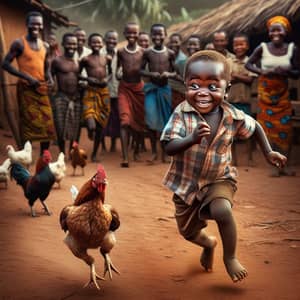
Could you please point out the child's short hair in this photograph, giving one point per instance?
(208, 55)
(241, 35)
(159, 25)
(67, 35)
(94, 34)
(176, 34)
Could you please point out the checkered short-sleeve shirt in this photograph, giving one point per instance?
(203, 164)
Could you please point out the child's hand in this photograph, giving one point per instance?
(155, 75)
(276, 159)
(165, 75)
(202, 129)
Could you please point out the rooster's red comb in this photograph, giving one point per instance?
(101, 171)
(75, 144)
(47, 155)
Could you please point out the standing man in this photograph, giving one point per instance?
(35, 113)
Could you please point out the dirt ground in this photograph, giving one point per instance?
(154, 260)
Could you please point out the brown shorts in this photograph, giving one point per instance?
(192, 218)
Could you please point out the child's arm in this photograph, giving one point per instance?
(236, 78)
(146, 73)
(274, 158)
(119, 65)
(176, 146)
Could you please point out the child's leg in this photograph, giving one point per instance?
(91, 127)
(220, 211)
(191, 228)
(97, 140)
(124, 133)
(153, 141)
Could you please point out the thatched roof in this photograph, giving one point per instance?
(55, 17)
(248, 16)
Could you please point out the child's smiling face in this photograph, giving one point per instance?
(206, 85)
(131, 33)
(158, 35)
(96, 43)
(240, 46)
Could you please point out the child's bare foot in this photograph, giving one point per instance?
(207, 256)
(235, 270)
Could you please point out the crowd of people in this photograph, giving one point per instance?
(131, 92)
(160, 90)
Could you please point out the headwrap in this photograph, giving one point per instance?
(281, 20)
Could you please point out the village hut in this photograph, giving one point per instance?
(12, 26)
(242, 16)
(249, 17)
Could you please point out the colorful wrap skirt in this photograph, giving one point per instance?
(275, 111)
(131, 105)
(96, 105)
(36, 119)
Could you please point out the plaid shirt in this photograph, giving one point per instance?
(202, 164)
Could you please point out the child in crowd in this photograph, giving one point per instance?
(193, 44)
(131, 94)
(67, 101)
(112, 128)
(240, 90)
(96, 100)
(158, 65)
(199, 136)
(143, 40)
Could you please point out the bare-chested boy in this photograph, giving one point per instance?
(67, 103)
(131, 95)
(96, 100)
(160, 62)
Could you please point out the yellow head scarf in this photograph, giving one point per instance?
(281, 20)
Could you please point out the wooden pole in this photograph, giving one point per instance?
(10, 108)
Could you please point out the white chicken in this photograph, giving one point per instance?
(58, 168)
(4, 172)
(23, 157)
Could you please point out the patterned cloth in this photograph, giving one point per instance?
(131, 105)
(36, 119)
(203, 164)
(275, 111)
(158, 104)
(96, 104)
(67, 115)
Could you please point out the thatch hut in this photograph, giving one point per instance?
(12, 26)
(242, 16)
(248, 17)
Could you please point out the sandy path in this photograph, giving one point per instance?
(154, 260)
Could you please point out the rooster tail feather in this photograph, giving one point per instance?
(63, 217)
(19, 174)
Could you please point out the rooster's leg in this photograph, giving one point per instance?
(46, 208)
(74, 171)
(108, 243)
(32, 211)
(82, 254)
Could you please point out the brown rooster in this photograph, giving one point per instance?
(91, 224)
(78, 157)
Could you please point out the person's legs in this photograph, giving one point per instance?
(124, 144)
(91, 127)
(220, 211)
(153, 141)
(97, 140)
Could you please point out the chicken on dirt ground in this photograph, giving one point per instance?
(23, 157)
(37, 186)
(90, 223)
(78, 157)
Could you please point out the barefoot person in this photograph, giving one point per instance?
(199, 136)
(67, 102)
(131, 94)
(159, 66)
(96, 101)
(35, 113)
